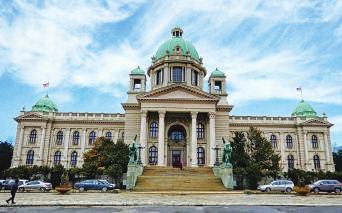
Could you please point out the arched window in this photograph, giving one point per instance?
(75, 138)
(317, 162)
(274, 141)
(177, 133)
(30, 157)
(290, 162)
(289, 142)
(153, 155)
(200, 156)
(57, 158)
(314, 141)
(200, 131)
(154, 129)
(73, 160)
(92, 137)
(109, 135)
(59, 138)
(33, 136)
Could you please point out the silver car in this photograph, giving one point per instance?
(35, 185)
(278, 185)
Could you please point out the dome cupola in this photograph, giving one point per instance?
(304, 109)
(45, 104)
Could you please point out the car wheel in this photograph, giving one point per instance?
(267, 190)
(316, 190)
(81, 189)
(42, 189)
(338, 190)
(104, 189)
(21, 189)
(288, 190)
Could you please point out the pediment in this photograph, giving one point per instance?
(178, 92)
(316, 122)
(30, 116)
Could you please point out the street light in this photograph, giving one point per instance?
(139, 157)
(216, 148)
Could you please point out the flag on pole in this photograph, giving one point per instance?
(299, 89)
(46, 84)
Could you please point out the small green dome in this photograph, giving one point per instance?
(45, 104)
(217, 73)
(304, 109)
(138, 71)
(170, 46)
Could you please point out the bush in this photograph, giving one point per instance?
(302, 190)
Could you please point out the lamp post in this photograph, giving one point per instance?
(139, 157)
(216, 148)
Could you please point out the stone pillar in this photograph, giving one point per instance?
(161, 148)
(100, 133)
(41, 147)
(143, 136)
(194, 139)
(20, 144)
(306, 153)
(327, 150)
(282, 148)
(83, 141)
(116, 136)
(66, 146)
(212, 138)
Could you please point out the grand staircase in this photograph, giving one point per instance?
(174, 179)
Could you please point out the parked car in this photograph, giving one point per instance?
(105, 181)
(326, 186)
(35, 185)
(277, 185)
(1, 183)
(93, 185)
(7, 185)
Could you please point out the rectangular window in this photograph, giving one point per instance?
(137, 84)
(194, 78)
(218, 86)
(177, 74)
(159, 77)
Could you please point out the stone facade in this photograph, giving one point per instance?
(176, 122)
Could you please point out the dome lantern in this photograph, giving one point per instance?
(177, 32)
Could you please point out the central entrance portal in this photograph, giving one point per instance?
(176, 146)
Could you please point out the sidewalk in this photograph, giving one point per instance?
(141, 199)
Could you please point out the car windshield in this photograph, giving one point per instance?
(317, 182)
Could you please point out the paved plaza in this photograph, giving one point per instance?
(140, 199)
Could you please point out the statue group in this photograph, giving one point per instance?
(133, 151)
(227, 154)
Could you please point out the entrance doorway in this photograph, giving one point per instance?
(176, 158)
(176, 146)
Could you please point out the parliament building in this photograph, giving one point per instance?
(176, 120)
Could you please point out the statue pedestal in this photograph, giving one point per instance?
(134, 170)
(225, 172)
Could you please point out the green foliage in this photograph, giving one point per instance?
(114, 171)
(338, 160)
(302, 178)
(253, 158)
(56, 175)
(6, 153)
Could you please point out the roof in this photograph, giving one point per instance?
(170, 46)
(304, 109)
(137, 71)
(217, 73)
(45, 104)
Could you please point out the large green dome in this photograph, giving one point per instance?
(304, 109)
(170, 46)
(45, 104)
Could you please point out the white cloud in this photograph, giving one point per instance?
(337, 121)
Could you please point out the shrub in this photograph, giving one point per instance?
(302, 190)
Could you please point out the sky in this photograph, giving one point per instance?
(86, 49)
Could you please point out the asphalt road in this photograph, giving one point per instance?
(178, 209)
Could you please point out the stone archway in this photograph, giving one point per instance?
(177, 138)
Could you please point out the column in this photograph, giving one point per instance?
(282, 147)
(66, 145)
(116, 136)
(306, 154)
(20, 143)
(212, 138)
(193, 139)
(41, 148)
(100, 133)
(143, 136)
(327, 150)
(161, 154)
(83, 141)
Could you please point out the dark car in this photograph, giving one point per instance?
(93, 185)
(326, 186)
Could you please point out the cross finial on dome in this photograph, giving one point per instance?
(177, 32)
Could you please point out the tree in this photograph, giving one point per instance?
(338, 160)
(6, 153)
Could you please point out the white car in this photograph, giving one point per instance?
(105, 181)
(278, 185)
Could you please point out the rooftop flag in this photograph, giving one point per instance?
(299, 89)
(45, 85)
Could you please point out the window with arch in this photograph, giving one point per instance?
(317, 163)
(290, 162)
(177, 133)
(73, 160)
(109, 135)
(154, 129)
(200, 131)
(57, 158)
(59, 138)
(30, 157)
(200, 156)
(76, 138)
(314, 141)
(274, 141)
(289, 142)
(33, 136)
(92, 137)
(153, 155)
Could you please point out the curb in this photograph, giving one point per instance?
(140, 204)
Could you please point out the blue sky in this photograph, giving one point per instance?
(86, 49)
